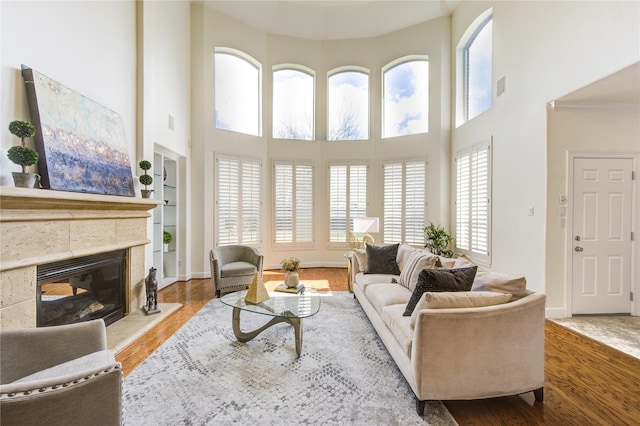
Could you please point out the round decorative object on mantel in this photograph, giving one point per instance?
(291, 279)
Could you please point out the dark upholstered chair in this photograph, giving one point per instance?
(60, 375)
(233, 267)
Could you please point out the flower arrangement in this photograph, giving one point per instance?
(290, 264)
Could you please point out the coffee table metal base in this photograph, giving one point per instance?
(245, 337)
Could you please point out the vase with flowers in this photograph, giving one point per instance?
(291, 266)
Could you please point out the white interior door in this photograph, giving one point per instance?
(602, 208)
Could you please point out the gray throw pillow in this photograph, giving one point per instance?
(440, 280)
(382, 259)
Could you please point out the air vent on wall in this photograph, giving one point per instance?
(501, 86)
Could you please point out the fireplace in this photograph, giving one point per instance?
(44, 233)
(81, 289)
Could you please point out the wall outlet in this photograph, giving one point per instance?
(531, 211)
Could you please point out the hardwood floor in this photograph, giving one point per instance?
(586, 383)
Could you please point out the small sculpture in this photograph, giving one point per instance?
(151, 284)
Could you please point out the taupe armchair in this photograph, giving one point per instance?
(233, 267)
(60, 375)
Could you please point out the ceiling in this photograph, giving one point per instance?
(333, 19)
(620, 90)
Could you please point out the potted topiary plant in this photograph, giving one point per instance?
(146, 179)
(22, 155)
(438, 240)
(166, 239)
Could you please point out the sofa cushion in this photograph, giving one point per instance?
(381, 295)
(87, 362)
(445, 263)
(404, 251)
(382, 259)
(361, 258)
(236, 269)
(458, 299)
(399, 325)
(487, 280)
(416, 262)
(440, 280)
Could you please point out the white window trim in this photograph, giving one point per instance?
(461, 64)
(483, 259)
(294, 243)
(255, 63)
(310, 72)
(349, 68)
(389, 66)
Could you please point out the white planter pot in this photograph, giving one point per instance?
(291, 279)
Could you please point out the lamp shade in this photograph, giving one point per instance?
(366, 224)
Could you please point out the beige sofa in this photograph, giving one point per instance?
(456, 353)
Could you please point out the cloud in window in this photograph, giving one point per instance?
(406, 99)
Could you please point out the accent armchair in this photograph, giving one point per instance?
(233, 267)
(60, 375)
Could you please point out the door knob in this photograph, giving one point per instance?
(578, 249)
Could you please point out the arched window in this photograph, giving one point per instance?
(405, 108)
(293, 101)
(476, 63)
(348, 105)
(237, 92)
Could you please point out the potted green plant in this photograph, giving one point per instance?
(146, 179)
(291, 266)
(22, 155)
(166, 239)
(437, 240)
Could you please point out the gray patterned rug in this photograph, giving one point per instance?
(202, 375)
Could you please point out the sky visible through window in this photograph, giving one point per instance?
(237, 97)
(406, 99)
(292, 105)
(479, 54)
(348, 106)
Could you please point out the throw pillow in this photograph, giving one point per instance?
(460, 299)
(416, 262)
(486, 280)
(463, 261)
(440, 280)
(382, 259)
(361, 258)
(445, 263)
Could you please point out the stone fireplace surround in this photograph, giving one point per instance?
(39, 226)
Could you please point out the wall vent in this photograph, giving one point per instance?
(501, 86)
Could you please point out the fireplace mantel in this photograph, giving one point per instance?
(40, 226)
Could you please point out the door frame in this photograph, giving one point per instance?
(635, 213)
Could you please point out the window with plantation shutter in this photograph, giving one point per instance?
(473, 202)
(404, 201)
(293, 203)
(237, 210)
(347, 198)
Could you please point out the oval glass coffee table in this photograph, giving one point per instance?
(289, 308)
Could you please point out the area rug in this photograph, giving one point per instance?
(203, 376)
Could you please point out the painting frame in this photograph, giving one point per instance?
(81, 144)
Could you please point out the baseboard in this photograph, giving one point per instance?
(556, 313)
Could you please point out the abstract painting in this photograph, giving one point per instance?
(82, 144)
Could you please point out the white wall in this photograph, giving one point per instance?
(164, 87)
(598, 131)
(212, 29)
(89, 47)
(545, 50)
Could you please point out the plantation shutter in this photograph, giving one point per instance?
(237, 212)
(473, 201)
(250, 216)
(304, 203)
(392, 202)
(347, 198)
(404, 201)
(415, 202)
(293, 203)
